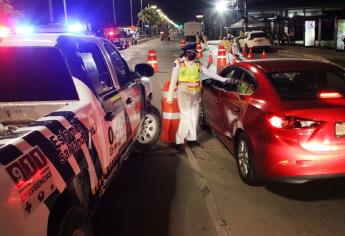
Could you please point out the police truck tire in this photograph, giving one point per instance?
(76, 221)
(151, 130)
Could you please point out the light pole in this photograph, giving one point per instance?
(65, 11)
(131, 12)
(114, 14)
(142, 23)
(220, 8)
(51, 14)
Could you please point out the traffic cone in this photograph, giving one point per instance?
(221, 59)
(152, 59)
(234, 60)
(199, 50)
(244, 51)
(170, 115)
(250, 54)
(263, 56)
(210, 58)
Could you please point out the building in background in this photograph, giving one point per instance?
(286, 21)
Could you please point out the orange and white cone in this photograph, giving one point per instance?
(170, 116)
(221, 59)
(210, 58)
(250, 54)
(264, 56)
(152, 59)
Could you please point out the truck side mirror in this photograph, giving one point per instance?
(144, 70)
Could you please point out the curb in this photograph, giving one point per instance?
(212, 208)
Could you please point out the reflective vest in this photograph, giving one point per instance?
(189, 76)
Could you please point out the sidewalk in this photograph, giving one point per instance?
(327, 55)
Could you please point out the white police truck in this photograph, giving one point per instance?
(71, 109)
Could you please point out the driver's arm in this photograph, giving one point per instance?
(213, 75)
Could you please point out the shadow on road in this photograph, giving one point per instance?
(138, 201)
(313, 191)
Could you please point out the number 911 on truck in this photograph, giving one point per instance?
(71, 109)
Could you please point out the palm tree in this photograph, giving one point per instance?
(7, 11)
(149, 16)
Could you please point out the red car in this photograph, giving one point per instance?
(284, 119)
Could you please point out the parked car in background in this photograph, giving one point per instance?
(284, 119)
(120, 39)
(256, 40)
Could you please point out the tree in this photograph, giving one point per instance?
(7, 11)
(149, 16)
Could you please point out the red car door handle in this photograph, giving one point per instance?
(129, 101)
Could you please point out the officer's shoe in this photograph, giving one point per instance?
(179, 147)
(193, 143)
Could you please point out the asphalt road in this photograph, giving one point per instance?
(158, 193)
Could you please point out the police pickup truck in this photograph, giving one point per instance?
(71, 109)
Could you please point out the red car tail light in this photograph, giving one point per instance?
(290, 122)
(330, 95)
(111, 33)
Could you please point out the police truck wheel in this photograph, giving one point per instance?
(76, 222)
(150, 130)
(244, 154)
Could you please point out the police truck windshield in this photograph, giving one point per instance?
(34, 74)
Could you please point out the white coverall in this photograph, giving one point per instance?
(188, 102)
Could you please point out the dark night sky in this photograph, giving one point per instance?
(100, 11)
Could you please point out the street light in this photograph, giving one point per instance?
(221, 7)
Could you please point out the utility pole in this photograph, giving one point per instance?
(142, 23)
(245, 16)
(51, 13)
(131, 12)
(65, 11)
(114, 14)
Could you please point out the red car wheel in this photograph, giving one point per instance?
(244, 153)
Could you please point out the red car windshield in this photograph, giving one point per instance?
(34, 74)
(302, 85)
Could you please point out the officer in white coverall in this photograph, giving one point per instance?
(186, 75)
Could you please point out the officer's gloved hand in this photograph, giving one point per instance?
(169, 101)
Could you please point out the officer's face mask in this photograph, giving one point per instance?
(191, 55)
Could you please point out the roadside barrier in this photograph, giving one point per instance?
(264, 56)
(152, 59)
(182, 43)
(199, 50)
(170, 116)
(221, 59)
(250, 54)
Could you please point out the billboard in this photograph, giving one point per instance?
(309, 33)
(341, 35)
